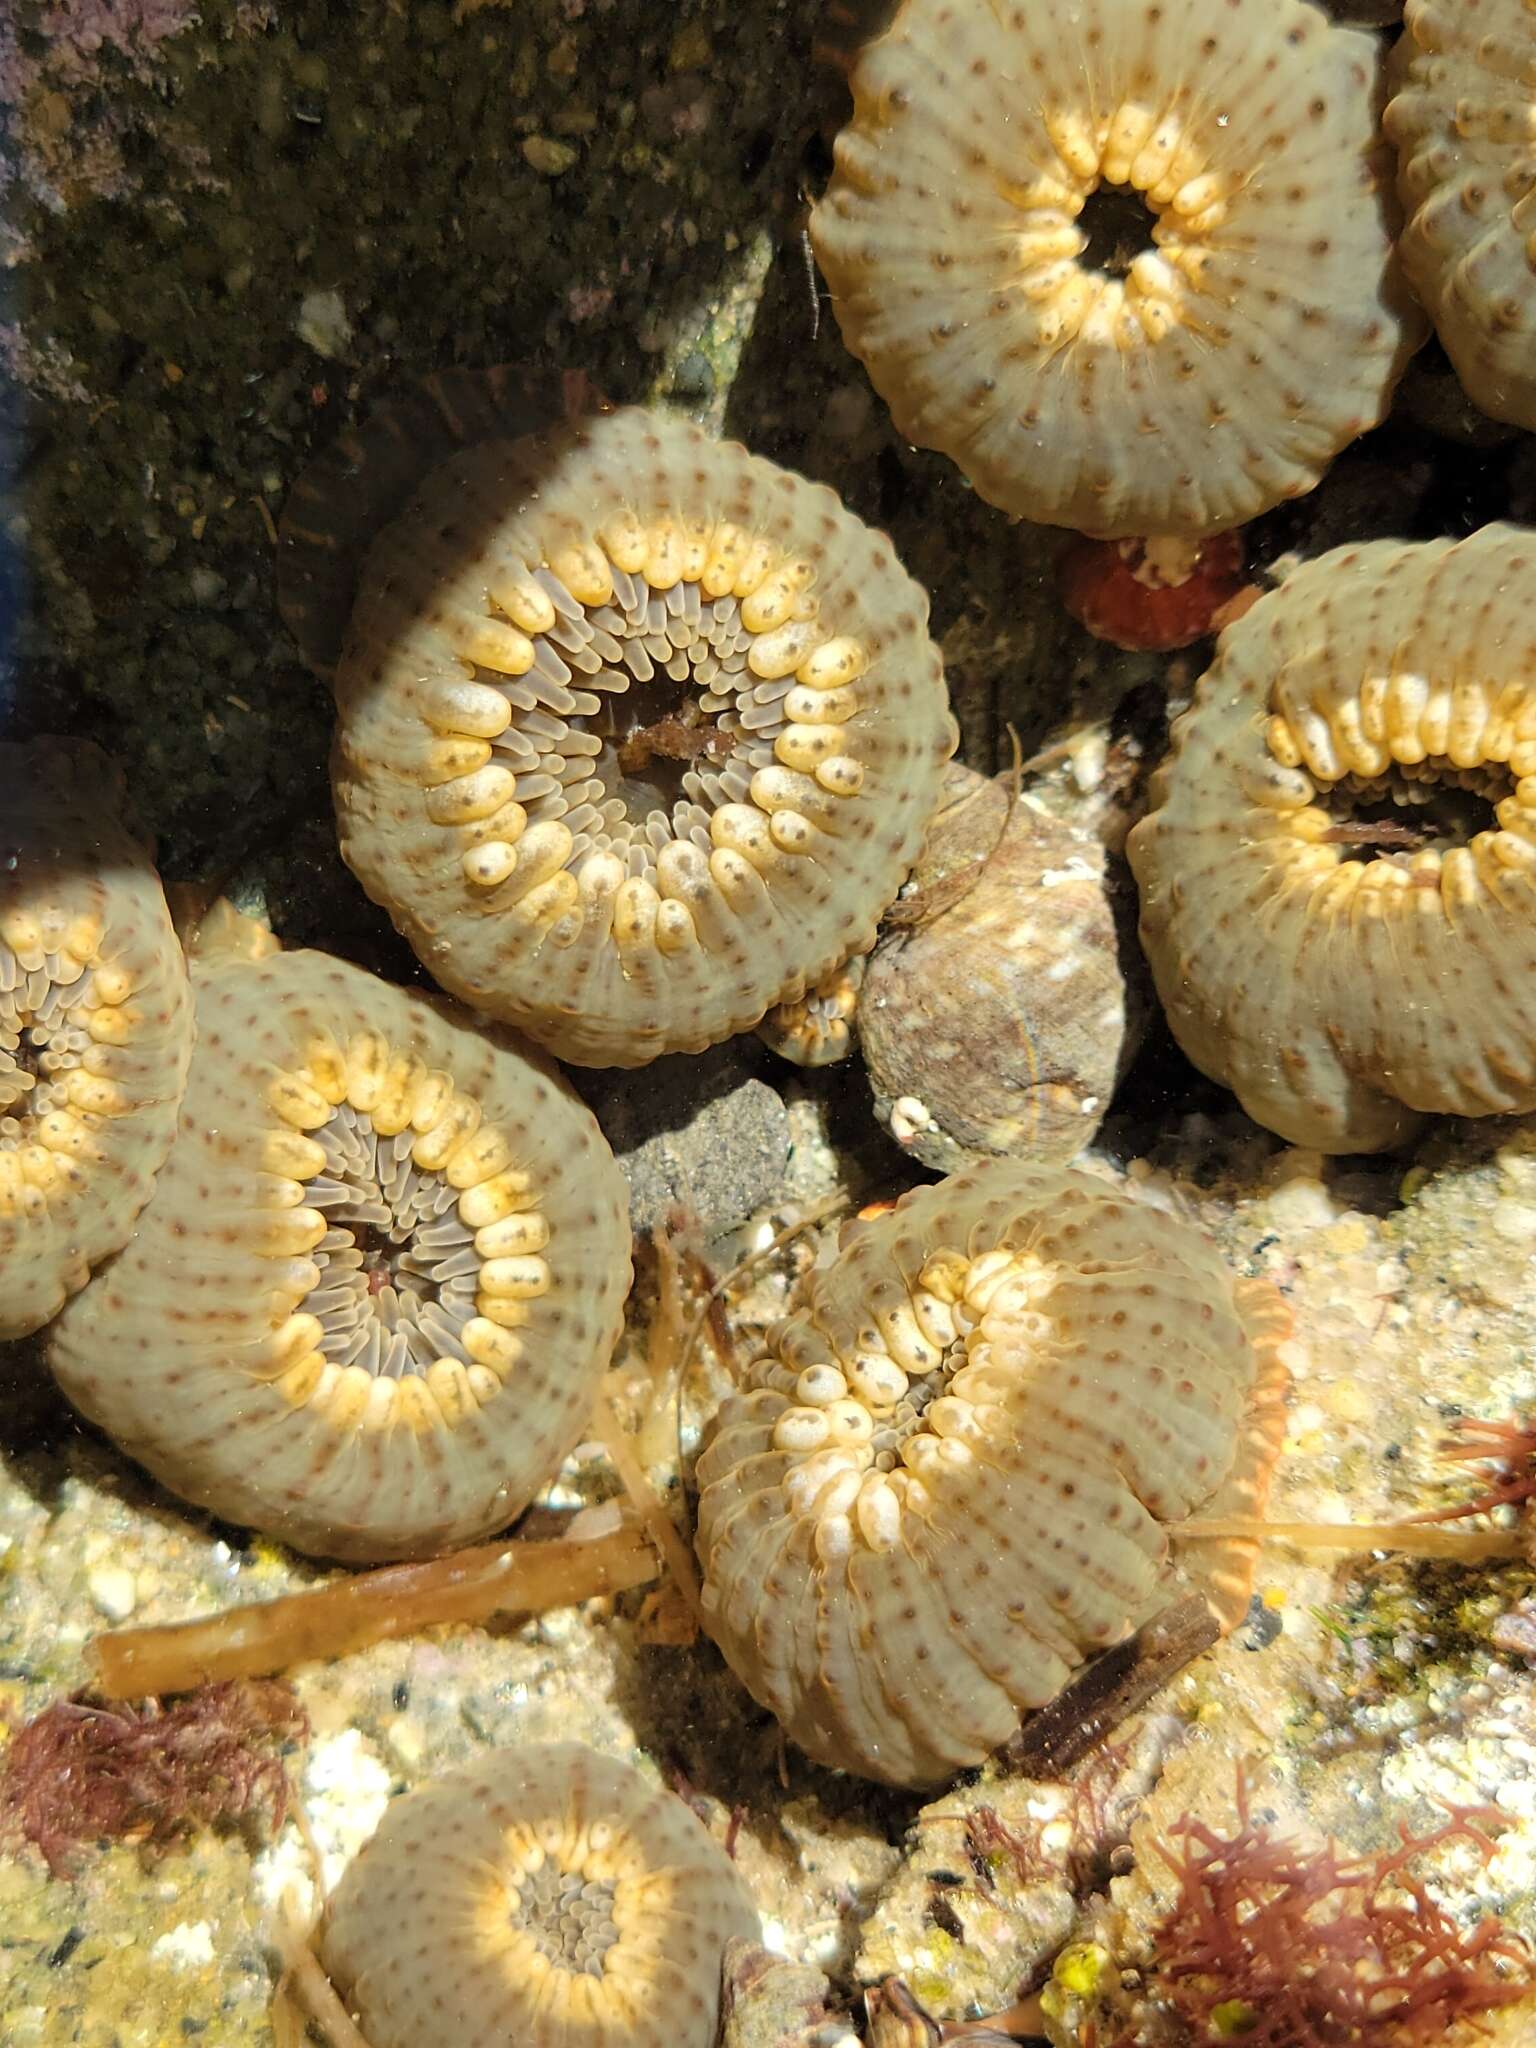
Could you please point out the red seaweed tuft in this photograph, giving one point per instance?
(1284, 1943)
(81, 1773)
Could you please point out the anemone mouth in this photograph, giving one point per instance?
(647, 717)
(1401, 780)
(44, 1036)
(1108, 253)
(398, 1268)
(1429, 806)
(424, 1244)
(650, 688)
(920, 1388)
(1118, 224)
(568, 1915)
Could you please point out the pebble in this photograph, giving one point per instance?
(1347, 1401)
(324, 324)
(548, 157)
(1301, 1204)
(707, 1132)
(1515, 1221)
(188, 1946)
(406, 1740)
(113, 1591)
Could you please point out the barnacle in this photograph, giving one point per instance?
(1129, 266)
(1338, 874)
(381, 1272)
(637, 733)
(1463, 121)
(95, 1026)
(545, 1895)
(948, 1481)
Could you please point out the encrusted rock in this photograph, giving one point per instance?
(768, 2002)
(997, 1014)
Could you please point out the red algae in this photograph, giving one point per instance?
(1510, 1448)
(1286, 1942)
(1152, 596)
(82, 1774)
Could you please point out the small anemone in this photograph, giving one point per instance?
(545, 1895)
(95, 1026)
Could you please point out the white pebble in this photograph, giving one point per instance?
(187, 1947)
(1515, 1221)
(113, 1591)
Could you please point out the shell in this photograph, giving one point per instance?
(380, 1276)
(1002, 1022)
(947, 1483)
(637, 733)
(1462, 123)
(1340, 996)
(95, 1025)
(452, 1928)
(1181, 391)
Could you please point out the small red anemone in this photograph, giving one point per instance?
(1152, 595)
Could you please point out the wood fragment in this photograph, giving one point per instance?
(368, 1607)
(1111, 1688)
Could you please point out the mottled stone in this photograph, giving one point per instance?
(769, 2002)
(706, 1133)
(997, 1015)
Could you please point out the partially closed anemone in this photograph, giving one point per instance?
(381, 1273)
(1338, 869)
(949, 1479)
(95, 1026)
(544, 1896)
(637, 733)
(1463, 121)
(1130, 265)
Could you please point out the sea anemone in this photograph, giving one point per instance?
(817, 1029)
(1338, 872)
(381, 1273)
(1462, 122)
(638, 733)
(949, 1480)
(1130, 266)
(545, 1895)
(1152, 596)
(95, 1025)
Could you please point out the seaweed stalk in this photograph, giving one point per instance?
(370, 1607)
